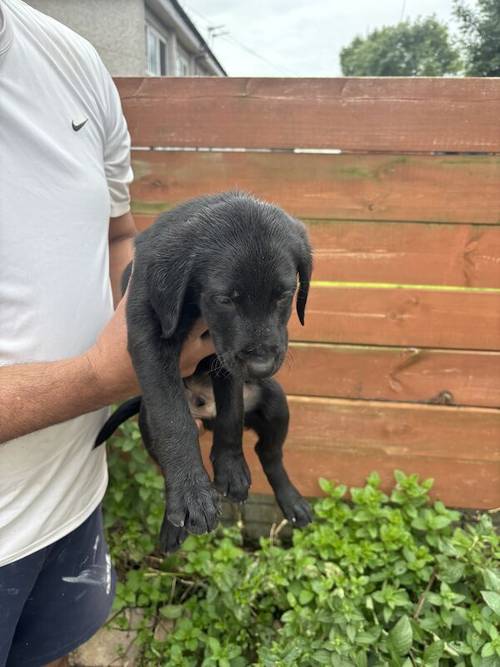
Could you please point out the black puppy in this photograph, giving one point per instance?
(232, 260)
(265, 412)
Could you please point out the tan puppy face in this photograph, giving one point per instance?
(201, 400)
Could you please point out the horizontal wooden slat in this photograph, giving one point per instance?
(408, 253)
(402, 317)
(384, 114)
(346, 440)
(461, 189)
(393, 374)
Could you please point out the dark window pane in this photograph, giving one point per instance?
(163, 58)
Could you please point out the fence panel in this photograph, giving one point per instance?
(423, 188)
(349, 114)
(398, 182)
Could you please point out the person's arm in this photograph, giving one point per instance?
(122, 231)
(37, 395)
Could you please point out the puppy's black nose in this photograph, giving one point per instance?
(257, 366)
(260, 368)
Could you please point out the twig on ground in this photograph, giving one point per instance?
(421, 599)
(112, 618)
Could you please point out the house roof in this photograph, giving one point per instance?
(198, 34)
(165, 7)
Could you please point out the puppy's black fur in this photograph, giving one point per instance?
(265, 412)
(232, 260)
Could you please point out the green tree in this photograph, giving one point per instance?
(421, 48)
(480, 36)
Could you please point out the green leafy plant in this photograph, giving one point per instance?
(375, 581)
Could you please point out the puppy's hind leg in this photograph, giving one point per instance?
(231, 473)
(270, 422)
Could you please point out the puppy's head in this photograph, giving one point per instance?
(200, 396)
(250, 255)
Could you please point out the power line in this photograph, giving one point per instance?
(280, 68)
(229, 38)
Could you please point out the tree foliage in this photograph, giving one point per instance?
(421, 48)
(480, 36)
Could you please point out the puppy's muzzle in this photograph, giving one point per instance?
(259, 364)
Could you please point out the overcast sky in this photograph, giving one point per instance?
(298, 37)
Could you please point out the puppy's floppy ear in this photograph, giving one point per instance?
(303, 255)
(304, 270)
(168, 283)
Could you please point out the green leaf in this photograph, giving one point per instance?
(491, 580)
(373, 479)
(325, 485)
(323, 657)
(127, 445)
(171, 611)
(361, 660)
(214, 644)
(452, 572)
(305, 596)
(439, 522)
(492, 599)
(401, 636)
(487, 650)
(433, 653)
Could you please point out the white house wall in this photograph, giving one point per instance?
(118, 33)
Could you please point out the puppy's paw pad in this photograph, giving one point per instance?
(232, 477)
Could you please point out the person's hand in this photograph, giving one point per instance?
(110, 360)
(112, 366)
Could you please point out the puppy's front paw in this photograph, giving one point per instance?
(171, 537)
(232, 476)
(295, 508)
(193, 504)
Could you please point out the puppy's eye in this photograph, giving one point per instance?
(222, 300)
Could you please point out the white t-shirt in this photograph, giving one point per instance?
(64, 171)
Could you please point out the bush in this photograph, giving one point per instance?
(377, 581)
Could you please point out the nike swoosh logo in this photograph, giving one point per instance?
(78, 126)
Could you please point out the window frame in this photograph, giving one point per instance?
(182, 61)
(159, 40)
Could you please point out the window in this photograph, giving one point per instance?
(182, 65)
(156, 50)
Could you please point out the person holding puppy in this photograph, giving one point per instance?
(66, 234)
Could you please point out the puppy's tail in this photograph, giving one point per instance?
(124, 412)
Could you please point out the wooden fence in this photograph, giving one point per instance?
(398, 181)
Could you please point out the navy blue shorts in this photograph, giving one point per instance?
(55, 599)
